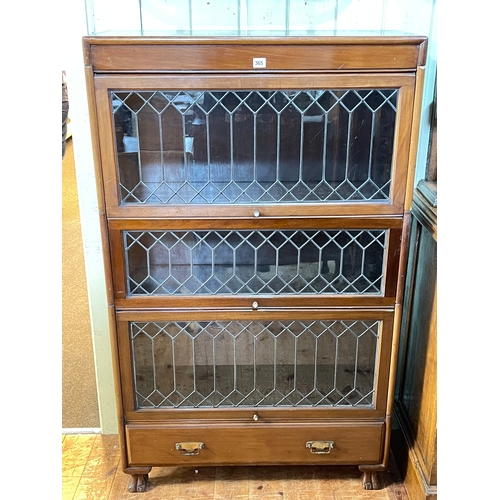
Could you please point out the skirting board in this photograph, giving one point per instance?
(82, 430)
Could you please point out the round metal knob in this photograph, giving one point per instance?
(256, 417)
(255, 305)
(256, 213)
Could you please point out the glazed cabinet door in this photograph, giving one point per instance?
(321, 262)
(232, 145)
(258, 363)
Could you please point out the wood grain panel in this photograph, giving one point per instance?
(329, 53)
(255, 443)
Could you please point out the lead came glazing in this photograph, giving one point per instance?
(257, 363)
(254, 262)
(217, 147)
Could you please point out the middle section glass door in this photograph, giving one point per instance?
(168, 264)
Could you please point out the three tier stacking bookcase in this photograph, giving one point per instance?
(255, 196)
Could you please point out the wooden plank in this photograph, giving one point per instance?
(75, 453)
(231, 58)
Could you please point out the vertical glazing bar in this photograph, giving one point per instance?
(315, 384)
(370, 158)
(214, 365)
(134, 367)
(341, 261)
(174, 366)
(127, 263)
(207, 123)
(169, 259)
(139, 162)
(155, 385)
(254, 114)
(190, 250)
(235, 366)
(193, 351)
(275, 358)
(295, 365)
(148, 266)
(254, 362)
(160, 131)
(278, 144)
(231, 146)
(348, 145)
(301, 153)
(356, 363)
(336, 363)
(184, 137)
(325, 141)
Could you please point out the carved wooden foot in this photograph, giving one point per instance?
(138, 483)
(369, 480)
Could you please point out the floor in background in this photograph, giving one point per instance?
(91, 469)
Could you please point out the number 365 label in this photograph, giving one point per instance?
(259, 62)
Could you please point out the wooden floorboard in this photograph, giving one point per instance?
(91, 470)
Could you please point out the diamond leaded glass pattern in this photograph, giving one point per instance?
(217, 364)
(254, 262)
(211, 147)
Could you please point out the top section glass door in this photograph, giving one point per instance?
(258, 147)
(311, 145)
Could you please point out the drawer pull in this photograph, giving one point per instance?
(189, 449)
(320, 447)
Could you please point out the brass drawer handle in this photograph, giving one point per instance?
(189, 449)
(320, 447)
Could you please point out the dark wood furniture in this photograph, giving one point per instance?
(255, 197)
(414, 439)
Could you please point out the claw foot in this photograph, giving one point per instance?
(138, 483)
(369, 480)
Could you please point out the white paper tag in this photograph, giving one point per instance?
(259, 62)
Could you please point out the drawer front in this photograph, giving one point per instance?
(257, 444)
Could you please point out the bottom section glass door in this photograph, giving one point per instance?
(263, 363)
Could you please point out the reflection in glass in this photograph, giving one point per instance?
(191, 147)
(257, 363)
(254, 262)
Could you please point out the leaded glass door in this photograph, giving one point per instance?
(281, 263)
(328, 143)
(266, 361)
